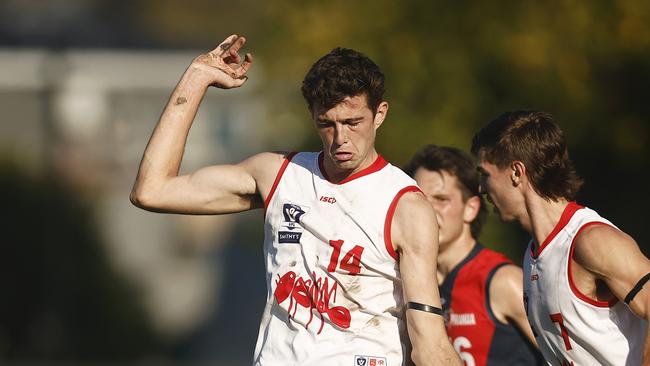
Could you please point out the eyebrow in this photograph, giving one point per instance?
(347, 120)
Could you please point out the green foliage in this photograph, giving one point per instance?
(452, 66)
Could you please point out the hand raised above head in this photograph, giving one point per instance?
(224, 65)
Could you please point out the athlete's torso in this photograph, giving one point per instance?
(571, 328)
(334, 293)
(476, 334)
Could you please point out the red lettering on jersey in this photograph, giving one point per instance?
(328, 199)
(311, 295)
(534, 277)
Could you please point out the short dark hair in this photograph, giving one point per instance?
(343, 73)
(535, 139)
(457, 163)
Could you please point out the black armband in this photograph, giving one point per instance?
(425, 308)
(636, 289)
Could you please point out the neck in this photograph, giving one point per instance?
(337, 174)
(453, 253)
(542, 216)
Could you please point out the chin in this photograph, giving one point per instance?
(346, 165)
(505, 218)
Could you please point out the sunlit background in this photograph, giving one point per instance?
(88, 279)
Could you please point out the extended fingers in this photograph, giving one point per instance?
(224, 46)
(236, 44)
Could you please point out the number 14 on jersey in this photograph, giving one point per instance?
(351, 261)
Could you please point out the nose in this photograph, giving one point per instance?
(340, 135)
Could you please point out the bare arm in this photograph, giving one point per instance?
(415, 237)
(614, 257)
(507, 299)
(210, 190)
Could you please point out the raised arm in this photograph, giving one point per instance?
(414, 234)
(615, 258)
(210, 190)
(507, 299)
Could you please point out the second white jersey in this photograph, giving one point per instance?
(571, 328)
(334, 290)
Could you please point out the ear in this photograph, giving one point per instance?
(472, 207)
(517, 172)
(380, 114)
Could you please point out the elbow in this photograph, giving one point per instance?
(142, 199)
(137, 199)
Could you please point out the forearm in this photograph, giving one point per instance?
(427, 331)
(164, 152)
(415, 234)
(429, 340)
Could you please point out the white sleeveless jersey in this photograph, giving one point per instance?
(334, 289)
(571, 328)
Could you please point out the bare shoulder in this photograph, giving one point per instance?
(413, 209)
(598, 247)
(264, 165)
(507, 280)
(414, 221)
(506, 294)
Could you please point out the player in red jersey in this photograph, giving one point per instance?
(481, 289)
(344, 92)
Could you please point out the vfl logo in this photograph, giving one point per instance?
(292, 213)
(369, 361)
(290, 230)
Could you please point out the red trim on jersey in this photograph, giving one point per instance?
(572, 285)
(376, 166)
(568, 212)
(285, 163)
(389, 219)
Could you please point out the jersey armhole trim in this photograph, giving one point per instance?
(388, 241)
(572, 285)
(566, 216)
(488, 307)
(278, 176)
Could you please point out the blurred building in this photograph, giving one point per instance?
(88, 115)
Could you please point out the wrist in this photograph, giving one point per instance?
(196, 75)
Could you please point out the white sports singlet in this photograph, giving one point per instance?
(334, 290)
(571, 328)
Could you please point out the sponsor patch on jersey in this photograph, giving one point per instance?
(290, 230)
(462, 319)
(369, 361)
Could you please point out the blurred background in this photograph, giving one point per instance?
(88, 279)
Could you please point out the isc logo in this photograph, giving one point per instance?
(327, 199)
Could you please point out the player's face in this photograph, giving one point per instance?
(498, 188)
(453, 213)
(348, 133)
